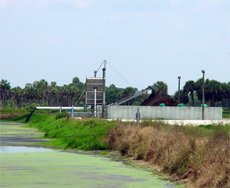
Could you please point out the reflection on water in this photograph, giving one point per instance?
(21, 149)
(11, 123)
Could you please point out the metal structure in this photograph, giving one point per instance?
(58, 108)
(132, 96)
(94, 91)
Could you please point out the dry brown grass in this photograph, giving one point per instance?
(199, 156)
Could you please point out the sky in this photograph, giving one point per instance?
(143, 41)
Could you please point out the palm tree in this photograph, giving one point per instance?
(53, 84)
(76, 81)
(53, 95)
(72, 92)
(227, 93)
(42, 87)
(30, 93)
(4, 91)
(17, 94)
(160, 88)
(213, 91)
(62, 95)
(198, 88)
(189, 88)
(183, 97)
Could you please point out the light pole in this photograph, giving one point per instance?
(203, 71)
(103, 92)
(179, 89)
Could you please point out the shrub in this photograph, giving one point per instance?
(63, 114)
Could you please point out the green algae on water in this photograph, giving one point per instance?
(61, 169)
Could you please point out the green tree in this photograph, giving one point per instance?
(198, 88)
(72, 93)
(227, 93)
(30, 93)
(53, 95)
(183, 97)
(4, 91)
(53, 84)
(16, 95)
(127, 92)
(76, 81)
(112, 93)
(160, 88)
(42, 89)
(213, 91)
(189, 88)
(62, 94)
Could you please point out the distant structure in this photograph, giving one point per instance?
(156, 100)
(94, 90)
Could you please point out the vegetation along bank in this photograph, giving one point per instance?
(198, 156)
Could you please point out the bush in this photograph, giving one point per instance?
(31, 107)
(63, 114)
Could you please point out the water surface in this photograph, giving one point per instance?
(26, 167)
(63, 169)
(21, 149)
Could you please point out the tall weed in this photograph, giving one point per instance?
(63, 114)
(198, 154)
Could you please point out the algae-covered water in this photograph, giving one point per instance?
(23, 167)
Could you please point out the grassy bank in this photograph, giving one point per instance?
(199, 156)
(70, 133)
(10, 114)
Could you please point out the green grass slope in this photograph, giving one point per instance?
(70, 133)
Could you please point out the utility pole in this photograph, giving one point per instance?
(179, 89)
(203, 71)
(103, 92)
(103, 85)
(95, 102)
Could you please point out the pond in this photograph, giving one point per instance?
(41, 167)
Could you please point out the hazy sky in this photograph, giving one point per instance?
(145, 41)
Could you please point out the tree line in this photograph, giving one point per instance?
(40, 92)
(215, 92)
(50, 94)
